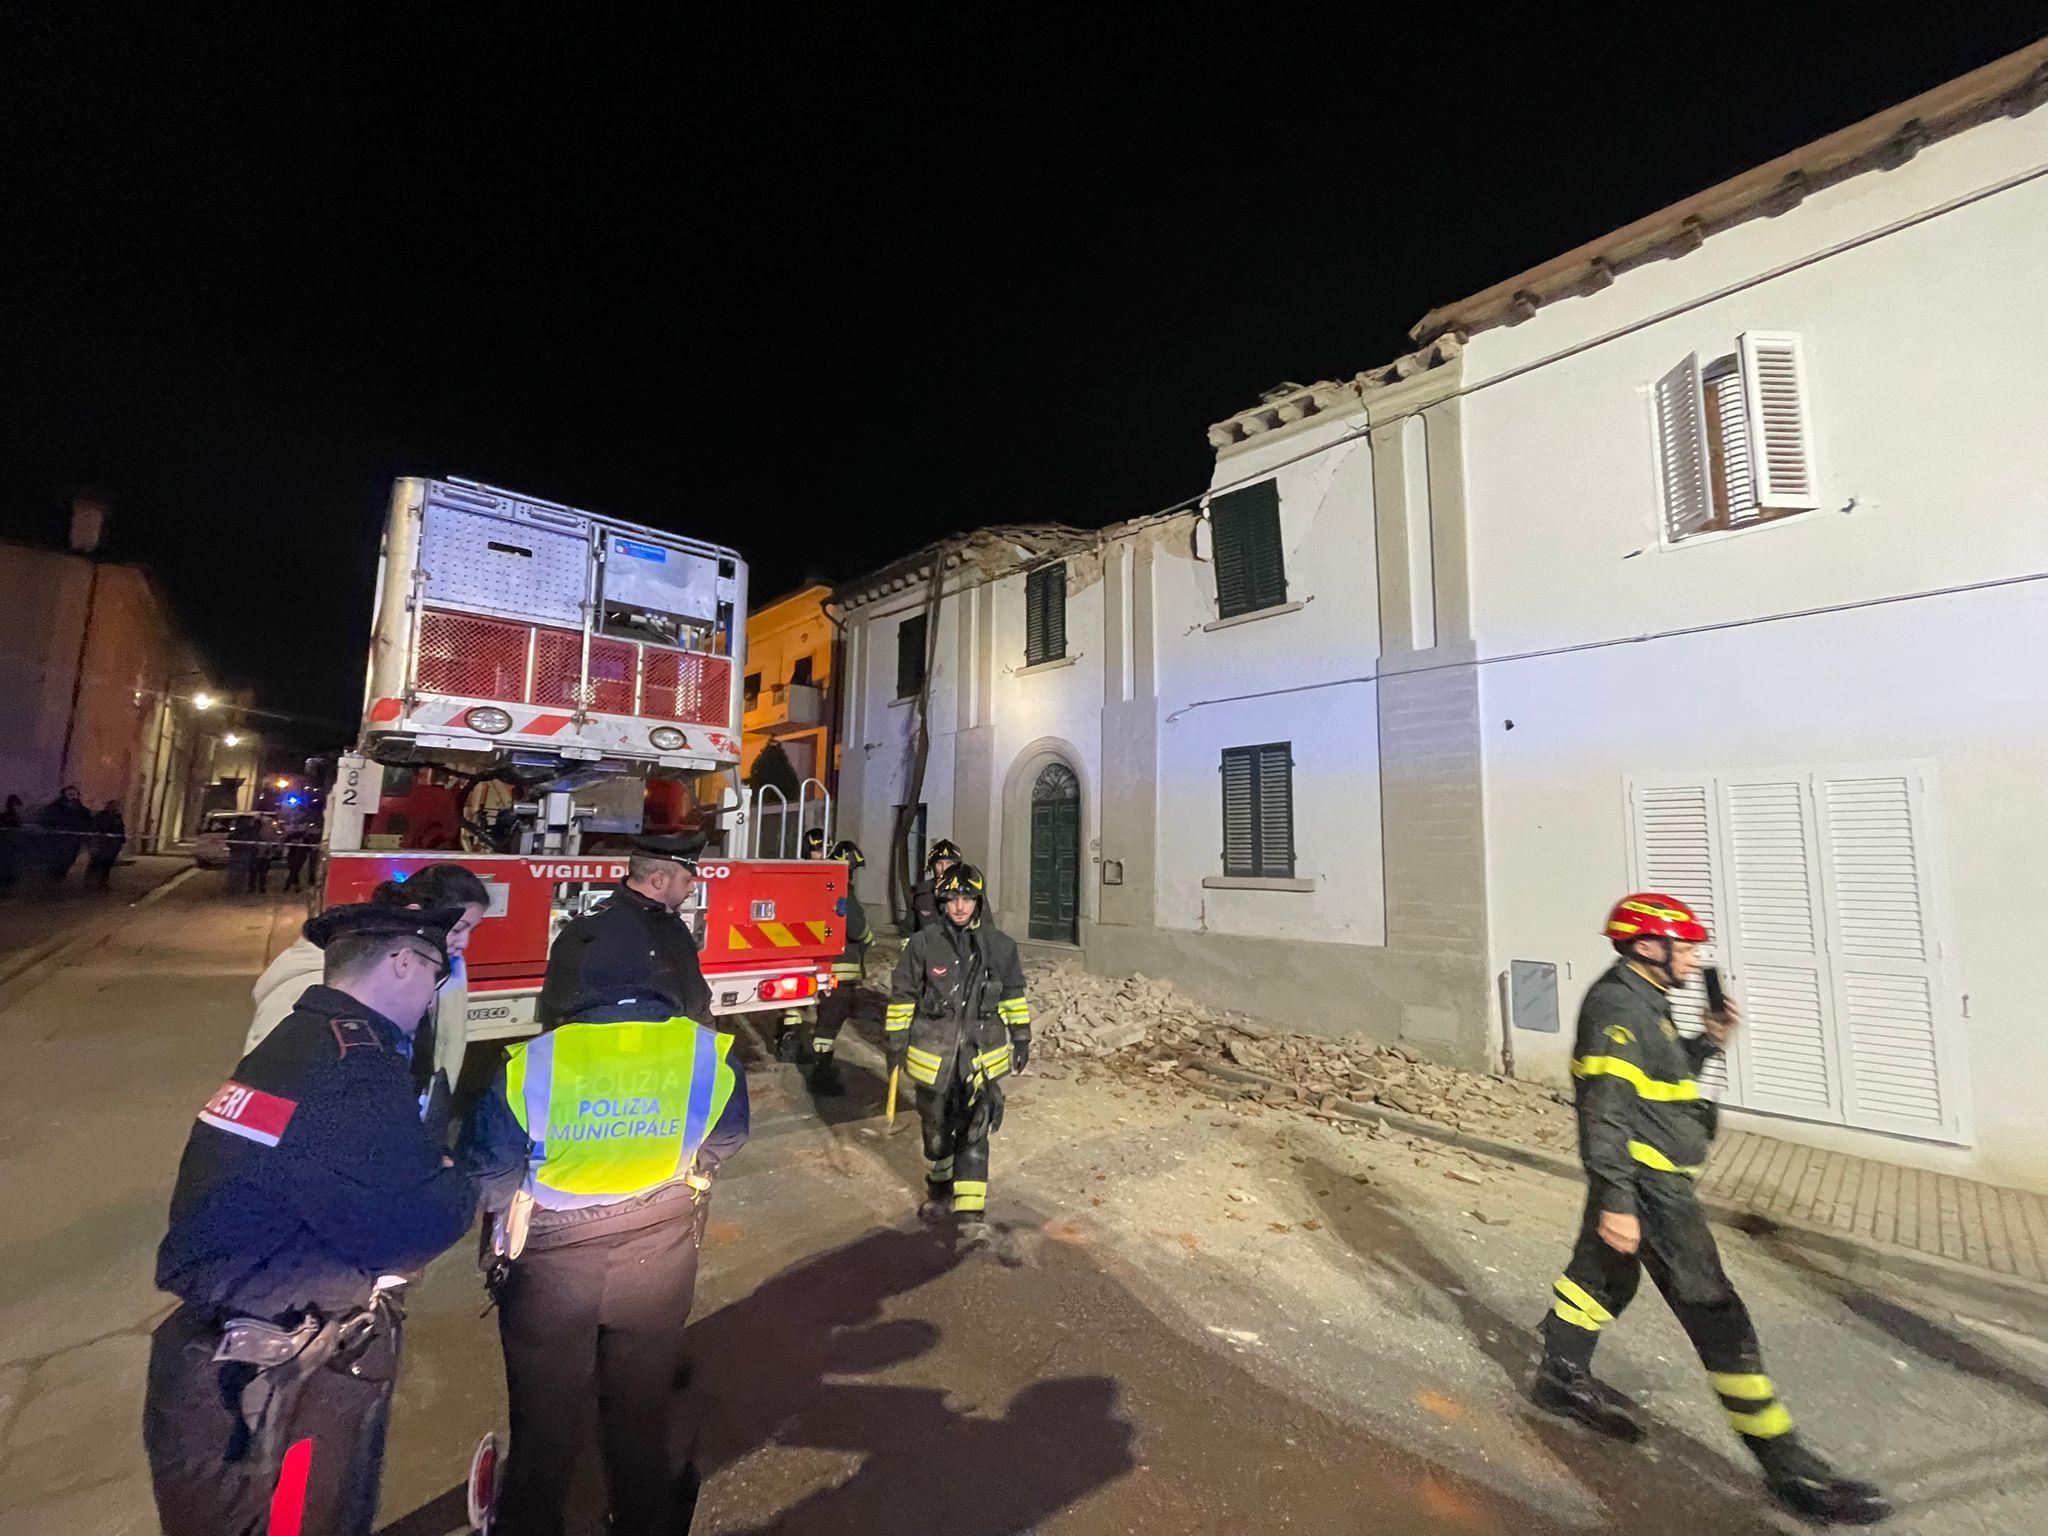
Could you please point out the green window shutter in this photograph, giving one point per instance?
(1240, 824)
(1276, 811)
(1045, 615)
(910, 656)
(1250, 571)
(1258, 811)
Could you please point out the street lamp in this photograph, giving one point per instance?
(203, 701)
(232, 739)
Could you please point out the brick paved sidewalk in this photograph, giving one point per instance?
(1963, 1221)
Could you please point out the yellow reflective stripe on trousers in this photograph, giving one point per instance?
(844, 970)
(1647, 1086)
(1650, 1157)
(970, 1194)
(1581, 1298)
(1767, 1425)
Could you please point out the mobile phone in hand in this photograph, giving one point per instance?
(1717, 999)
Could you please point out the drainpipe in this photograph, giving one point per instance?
(92, 593)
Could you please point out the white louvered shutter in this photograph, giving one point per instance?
(1674, 856)
(1788, 1062)
(1881, 932)
(1736, 472)
(1780, 419)
(1682, 450)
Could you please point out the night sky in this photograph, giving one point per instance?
(823, 289)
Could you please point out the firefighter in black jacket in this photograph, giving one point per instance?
(818, 1049)
(1644, 1129)
(640, 929)
(837, 1006)
(958, 1023)
(924, 902)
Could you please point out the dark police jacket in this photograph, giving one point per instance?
(1639, 1103)
(309, 1173)
(959, 994)
(630, 934)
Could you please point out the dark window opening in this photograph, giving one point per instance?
(910, 656)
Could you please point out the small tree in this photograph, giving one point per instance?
(777, 835)
(772, 766)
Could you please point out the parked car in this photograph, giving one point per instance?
(210, 847)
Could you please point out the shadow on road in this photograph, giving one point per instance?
(772, 1369)
(449, 1512)
(1673, 1479)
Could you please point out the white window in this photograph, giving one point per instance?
(1818, 890)
(1735, 437)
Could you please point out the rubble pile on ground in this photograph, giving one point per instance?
(1077, 1013)
(1148, 1027)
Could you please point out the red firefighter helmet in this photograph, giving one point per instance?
(1652, 915)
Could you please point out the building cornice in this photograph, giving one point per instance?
(2007, 87)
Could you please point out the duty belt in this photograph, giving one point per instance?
(283, 1358)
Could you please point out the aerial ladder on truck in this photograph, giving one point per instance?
(544, 685)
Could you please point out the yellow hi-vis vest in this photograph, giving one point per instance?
(615, 1110)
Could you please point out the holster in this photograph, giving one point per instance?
(283, 1358)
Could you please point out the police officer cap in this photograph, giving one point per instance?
(428, 923)
(681, 849)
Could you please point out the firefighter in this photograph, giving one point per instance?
(641, 925)
(924, 906)
(837, 1006)
(307, 1187)
(958, 1023)
(794, 1035)
(599, 1200)
(1643, 1135)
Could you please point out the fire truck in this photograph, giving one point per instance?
(545, 685)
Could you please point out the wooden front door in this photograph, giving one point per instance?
(1056, 855)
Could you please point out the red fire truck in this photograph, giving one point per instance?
(544, 685)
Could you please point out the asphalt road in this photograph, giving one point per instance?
(1342, 1349)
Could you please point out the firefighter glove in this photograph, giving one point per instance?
(1020, 1048)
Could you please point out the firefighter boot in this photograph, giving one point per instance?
(823, 1078)
(938, 1202)
(788, 1040)
(1801, 1480)
(1571, 1391)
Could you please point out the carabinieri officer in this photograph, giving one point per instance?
(309, 1188)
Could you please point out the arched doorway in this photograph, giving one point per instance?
(1056, 855)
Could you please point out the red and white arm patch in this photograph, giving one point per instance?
(248, 1112)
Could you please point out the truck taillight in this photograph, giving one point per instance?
(784, 989)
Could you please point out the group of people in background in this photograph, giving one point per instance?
(45, 843)
(252, 857)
